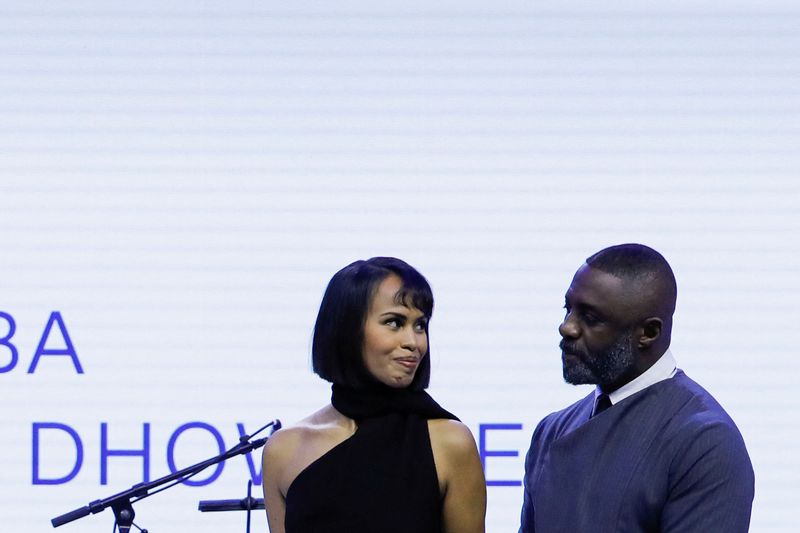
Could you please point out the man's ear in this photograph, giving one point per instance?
(651, 330)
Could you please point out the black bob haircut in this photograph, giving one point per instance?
(336, 350)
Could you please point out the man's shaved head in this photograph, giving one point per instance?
(646, 273)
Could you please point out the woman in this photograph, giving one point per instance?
(383, 457)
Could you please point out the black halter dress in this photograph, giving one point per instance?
(380, 480)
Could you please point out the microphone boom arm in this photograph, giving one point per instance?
(121, 503)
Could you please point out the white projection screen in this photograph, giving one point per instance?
(179, 180)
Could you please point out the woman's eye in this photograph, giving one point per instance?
(393, 323)
(421, 326)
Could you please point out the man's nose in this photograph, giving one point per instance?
(568, 329)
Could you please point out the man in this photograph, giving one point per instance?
(649, 449)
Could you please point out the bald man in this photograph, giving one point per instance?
(649, 450)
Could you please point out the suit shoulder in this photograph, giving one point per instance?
(701, 427)
(698, 408)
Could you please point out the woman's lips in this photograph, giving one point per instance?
(408, 362)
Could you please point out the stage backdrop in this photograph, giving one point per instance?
(180, 179)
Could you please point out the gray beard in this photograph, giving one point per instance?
(602, 368)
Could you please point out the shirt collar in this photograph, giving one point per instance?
(664, 368)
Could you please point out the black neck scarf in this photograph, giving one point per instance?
(378, 401)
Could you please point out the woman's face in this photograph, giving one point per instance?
(395, 337)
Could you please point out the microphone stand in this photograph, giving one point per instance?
(245, 504)
(122, 502)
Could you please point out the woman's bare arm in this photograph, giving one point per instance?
(273, 462)
(458, 466)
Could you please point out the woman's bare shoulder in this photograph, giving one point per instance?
(290, 450)
(451, 436)
(453, 450)
(311, 428)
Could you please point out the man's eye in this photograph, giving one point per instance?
(590, 319)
